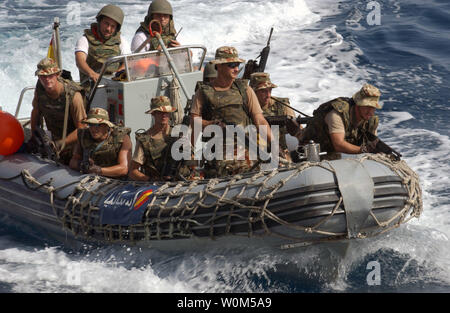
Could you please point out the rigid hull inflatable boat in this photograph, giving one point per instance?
(304, 203)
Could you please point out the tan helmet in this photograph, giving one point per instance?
(113, 12)
(160, 6)
(209, 71)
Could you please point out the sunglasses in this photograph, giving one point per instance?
(233, 65)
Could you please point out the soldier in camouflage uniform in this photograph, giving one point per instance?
(100, 42)
(52, 96)
(340, 125)
(273, 106)
(227, 101)
(107, 147)
(161, 11)
(152, 158)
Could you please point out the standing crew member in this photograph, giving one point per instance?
(100, 42)
(228, 100)
(52, 96)
(160, 10)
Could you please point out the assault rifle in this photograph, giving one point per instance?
(292, 125)
(252, 66)
(382, 147)
(284, 120)
(85, 163)
(43, 145)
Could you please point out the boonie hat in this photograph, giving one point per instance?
(226, 55)
(368, 96)
(162, 104)
(261, 81)
(47, 67)
(98, 116)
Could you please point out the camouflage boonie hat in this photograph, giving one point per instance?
(98, 116)
(261, 81)
(161, 103)
(47, 67)
(368, 96)
(226, 55)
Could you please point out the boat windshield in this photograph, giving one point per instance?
(143, 66)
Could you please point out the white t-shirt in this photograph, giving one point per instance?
(138, 39)
(83, 46)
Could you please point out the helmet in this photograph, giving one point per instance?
(160, 6)
(209, 71)
(113, 12)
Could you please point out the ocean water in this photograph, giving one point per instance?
(319, 50)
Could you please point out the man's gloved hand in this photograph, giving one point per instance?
(95, 169)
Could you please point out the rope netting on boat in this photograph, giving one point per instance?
(239, 206)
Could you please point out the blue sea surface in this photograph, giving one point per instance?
(319, 50)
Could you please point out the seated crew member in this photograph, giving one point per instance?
(160, 10)
(339, 125)
(100, 42)
(52, 95)
(104, 148)
(228, 100)
(273, 106)
(152, 158)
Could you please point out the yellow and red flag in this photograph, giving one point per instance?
(51, 50)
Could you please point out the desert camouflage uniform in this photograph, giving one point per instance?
(231, 108)
(317, 129)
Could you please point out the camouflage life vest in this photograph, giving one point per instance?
(157, 153)
(53, 110)
(99, 51)
(229, 106)
(105, 155)
(168, 34)
(275, 108)
(317, 129)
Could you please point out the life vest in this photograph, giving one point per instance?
(53, 110)
(317, 129)
(157, 153)
(275, 108)
(105, 155)
(100, 50)
(229, 106)
(168, 34)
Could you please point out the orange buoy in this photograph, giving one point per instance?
(11, 134)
